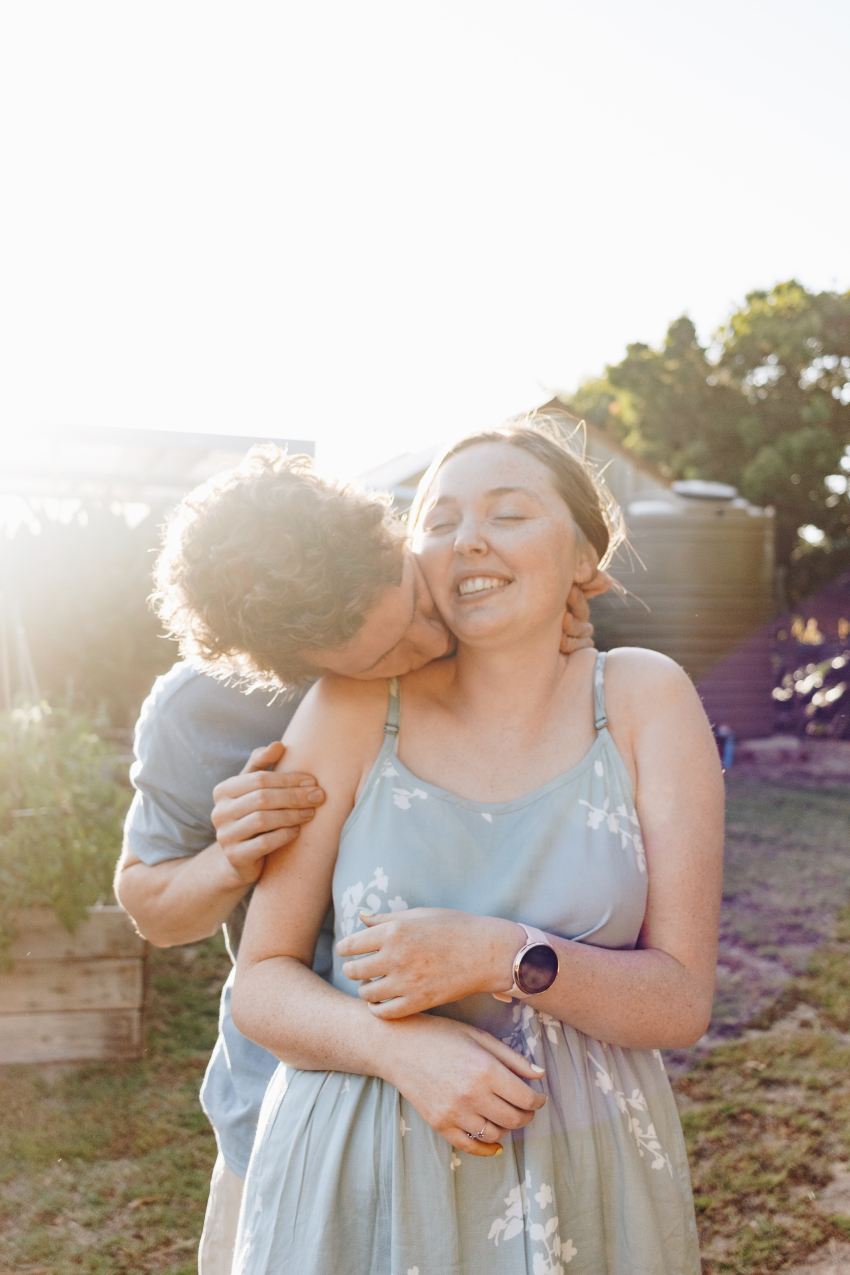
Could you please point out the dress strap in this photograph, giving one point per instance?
(393, 708)
(600, 717)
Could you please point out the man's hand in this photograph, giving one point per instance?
(462, 1080)
(259, 810)
(418, 958)
(578, 631)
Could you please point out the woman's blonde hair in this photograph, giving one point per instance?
(579, 483)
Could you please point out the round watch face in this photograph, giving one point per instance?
(537, 969)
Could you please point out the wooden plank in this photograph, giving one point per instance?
(73, 1037)
(106, 932)
(69, 985)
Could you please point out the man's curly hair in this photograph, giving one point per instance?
(268, 562)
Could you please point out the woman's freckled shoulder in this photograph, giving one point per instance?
(334, 691)
(351, 708)
(637, 677)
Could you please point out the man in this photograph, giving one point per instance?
(331, 566)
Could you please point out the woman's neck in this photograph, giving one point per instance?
(520, 679)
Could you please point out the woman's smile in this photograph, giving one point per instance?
(475, 586)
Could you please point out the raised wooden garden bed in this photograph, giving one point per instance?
(73, 997)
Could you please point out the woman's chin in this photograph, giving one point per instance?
(489, 631)
(509, 629)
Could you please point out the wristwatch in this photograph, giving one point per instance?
(535, 966)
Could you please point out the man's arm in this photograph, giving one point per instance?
(184, 900)
(180, 900)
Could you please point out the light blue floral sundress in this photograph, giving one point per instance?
(347, 1179)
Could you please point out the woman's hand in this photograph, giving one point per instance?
(415, 959)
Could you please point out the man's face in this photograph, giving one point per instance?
(401, 632)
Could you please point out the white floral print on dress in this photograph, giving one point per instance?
(646, 1139)
(402, 797)
(528, 1029)
(621, 822)
(367, 898)
(556, 1253)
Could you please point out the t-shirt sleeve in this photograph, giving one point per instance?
(169, 817)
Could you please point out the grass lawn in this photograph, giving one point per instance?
(104, 1169)
(767, 1120)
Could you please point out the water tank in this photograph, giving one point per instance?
(705, 597)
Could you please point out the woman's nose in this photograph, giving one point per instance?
(469, 538)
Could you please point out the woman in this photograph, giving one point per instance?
(529, 843)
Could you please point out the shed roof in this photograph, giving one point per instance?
(151, 466)
(402, 473)
(557, 404)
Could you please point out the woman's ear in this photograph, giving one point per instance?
(587, 564)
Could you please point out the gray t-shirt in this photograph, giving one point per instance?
(192, 733)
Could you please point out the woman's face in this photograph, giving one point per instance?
(498, 545)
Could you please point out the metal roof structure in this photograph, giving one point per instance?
(627, 475)
(150, 466)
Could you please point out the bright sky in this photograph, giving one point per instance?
(381, 223)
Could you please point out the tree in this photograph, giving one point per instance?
(765, 407)
(79, 590)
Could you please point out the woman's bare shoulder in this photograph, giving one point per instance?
(640, 682)
(655, 706)
(338, 715)
(639, 667)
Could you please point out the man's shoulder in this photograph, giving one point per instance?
(186, 701)
(181, 681)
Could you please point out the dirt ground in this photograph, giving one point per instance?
(786, 877)
(783, 885)
(808, 763)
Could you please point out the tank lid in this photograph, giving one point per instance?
(697, 489)
(645, 507)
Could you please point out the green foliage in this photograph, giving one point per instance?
(80, 591)
(766, 407)
(61, 811)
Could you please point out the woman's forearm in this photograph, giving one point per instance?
(304, 1021)
(420, 958)
(641, 999)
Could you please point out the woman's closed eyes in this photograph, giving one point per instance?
(448, 524)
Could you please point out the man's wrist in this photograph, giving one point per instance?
(229, 878)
